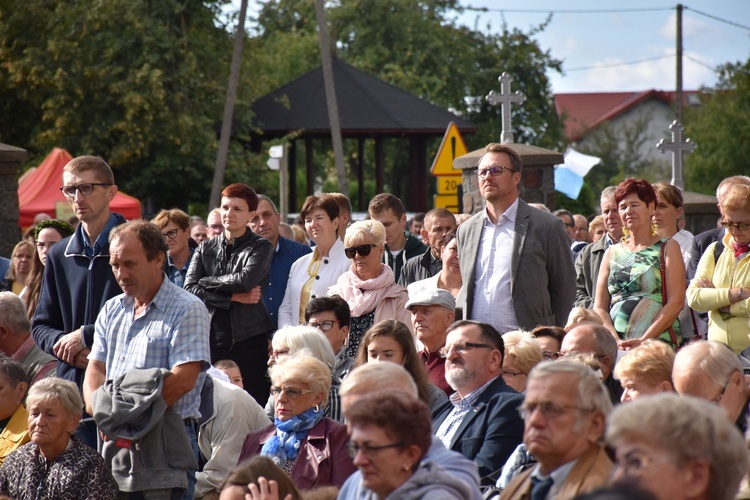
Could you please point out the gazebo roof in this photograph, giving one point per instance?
(366, 105)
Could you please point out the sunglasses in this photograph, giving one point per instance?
(362, 250)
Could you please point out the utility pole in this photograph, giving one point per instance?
(678, 79)
(226, 124)
(333, 107)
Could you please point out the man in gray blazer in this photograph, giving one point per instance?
(515, 260)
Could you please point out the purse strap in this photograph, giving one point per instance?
(663, 269)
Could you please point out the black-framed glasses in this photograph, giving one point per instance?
(497, 170)
(510, 374)
(549, 410)
(717, 399)
(289, 392)
(461, 348)
(171, 234)
(737, 226)
(368, 449)
(362, 250)
(85, 189)
(324, 325)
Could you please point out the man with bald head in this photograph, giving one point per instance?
(372, 377)
(592, 338)
(712, 371)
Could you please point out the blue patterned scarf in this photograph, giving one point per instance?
(285, 444)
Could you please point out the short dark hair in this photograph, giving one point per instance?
(571, 221)
(149, 234)
(338, 306)
(554, 332)
(487, 333)
(250, 470)
(386, 201)
(345, 206)
(13, 371)
(515, 158)
(325, 202)
(240, 190)
(639, 187)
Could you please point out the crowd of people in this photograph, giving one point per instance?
(511, 354)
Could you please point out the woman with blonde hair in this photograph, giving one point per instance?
(369, 286)
(522, 353)
(20, 268)
(580, 315)
(646, 369)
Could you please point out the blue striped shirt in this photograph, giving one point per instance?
(173, 330)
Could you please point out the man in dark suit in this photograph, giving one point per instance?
(266, 225)
(481, 421)
(515, 261)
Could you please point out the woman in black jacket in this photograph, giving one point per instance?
(224, 272)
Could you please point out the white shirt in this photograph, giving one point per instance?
(493, 300)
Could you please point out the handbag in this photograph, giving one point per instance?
(663, 269)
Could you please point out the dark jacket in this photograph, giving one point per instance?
(490, 431)
(587, 265)
(74, 290)
(283, 258)
(419, 268)
(323, 459)
(413, 248)
(701, 242)
(214, 277)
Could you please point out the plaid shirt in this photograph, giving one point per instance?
(460, 408)
(173, 330)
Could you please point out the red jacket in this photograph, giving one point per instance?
(323, 459)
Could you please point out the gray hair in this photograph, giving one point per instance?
(361, 228)
(591, 393)
(262, 197)
(605, 343)
(57, 389)
(13, 313)
(296, 338)
(303, 367)
(687, 429)
(608, 192)
(374, 376)
(714, 359)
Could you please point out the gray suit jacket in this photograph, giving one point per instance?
(542, 274)
(588, 263)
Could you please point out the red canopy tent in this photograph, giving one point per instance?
(40, 192)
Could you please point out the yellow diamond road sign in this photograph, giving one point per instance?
(452, 147)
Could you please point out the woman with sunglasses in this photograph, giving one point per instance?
(310, 447)
(369, 286)
(721, 285)
(311, 275)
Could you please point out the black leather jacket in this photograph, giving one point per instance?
(214, 278)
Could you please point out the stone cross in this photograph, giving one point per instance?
(505, 98)
(677, 146)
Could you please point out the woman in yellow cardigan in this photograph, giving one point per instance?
(721, 285)
(14, 431)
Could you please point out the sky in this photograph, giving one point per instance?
(601, 42)
(594, 46)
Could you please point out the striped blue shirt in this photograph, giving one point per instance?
(173, 330)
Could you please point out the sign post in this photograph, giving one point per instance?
(448, 179)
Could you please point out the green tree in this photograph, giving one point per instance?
(720, 127)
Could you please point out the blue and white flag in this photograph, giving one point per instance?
(569, 176)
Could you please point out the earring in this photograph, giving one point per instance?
(653, 228)
(406, 468)
(625, 234)
(316, 409)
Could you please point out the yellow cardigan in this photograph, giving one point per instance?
(725, 274)
(15, 434)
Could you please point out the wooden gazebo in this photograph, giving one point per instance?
(369, 109)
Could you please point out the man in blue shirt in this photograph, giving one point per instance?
(266, 225)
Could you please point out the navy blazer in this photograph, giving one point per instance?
(283, 258)
(490, 432)
(700, 244)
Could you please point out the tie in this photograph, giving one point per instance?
(740, 248)
(540, 488)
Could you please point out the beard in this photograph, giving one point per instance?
(458, 375)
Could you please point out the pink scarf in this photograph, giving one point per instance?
(363, 296)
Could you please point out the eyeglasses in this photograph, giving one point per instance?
(324, 325)
(289, 392)
(484, 172)
(362, 250)
(277, 354)
(550, 355)
(367, 449)
(41, 245)
(85, 189)
(510, 374)
(171, 234)
(216, 227)
(461, 348)
(634, 463)
(549, 411)
(737, 226)
(717, 399)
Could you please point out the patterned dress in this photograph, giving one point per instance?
(635, 287)
(79, 473)
(357, 329)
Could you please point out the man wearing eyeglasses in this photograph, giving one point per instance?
(331, 315)
(515, 261)
(77, 277)
(712, 371)
(565, 414)
(175, 226)
(480, 421)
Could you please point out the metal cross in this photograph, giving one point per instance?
(677, 146)
(505, 98)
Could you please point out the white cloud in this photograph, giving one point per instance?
(693, 29)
